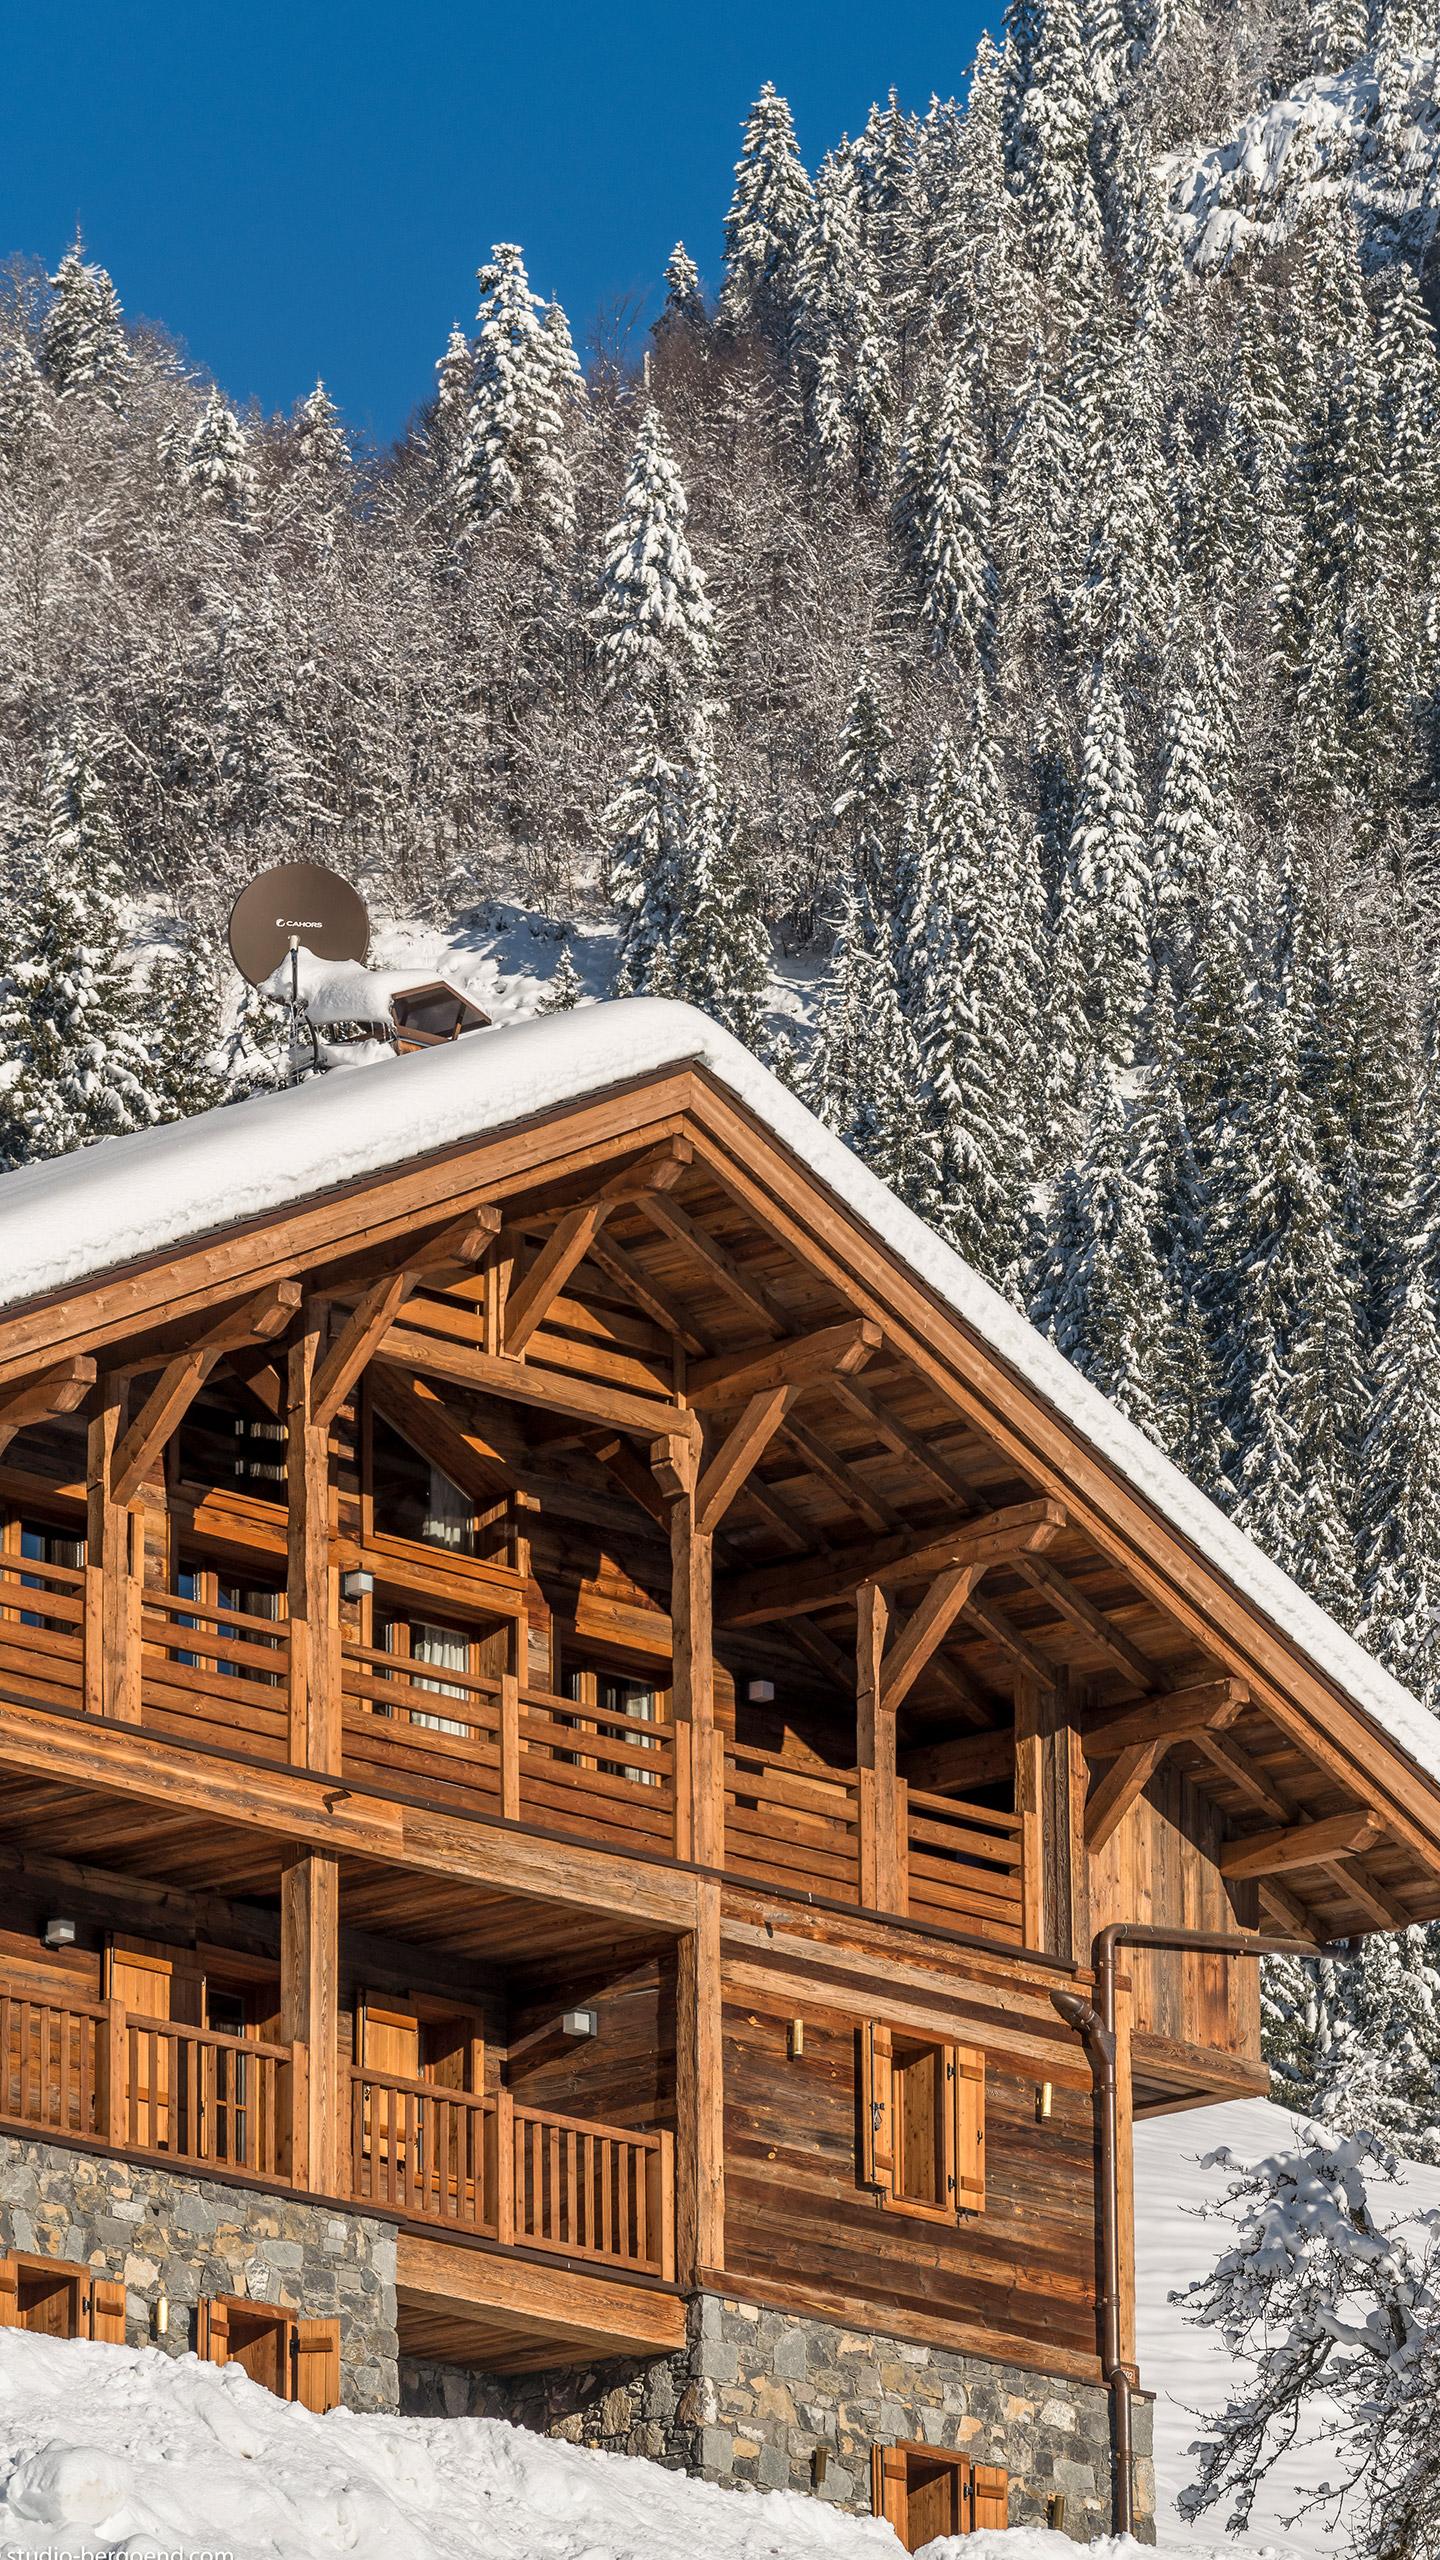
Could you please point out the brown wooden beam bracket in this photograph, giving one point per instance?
(924, 1631)
(1175, 1715)
(59, 1389)
(531, 1299)
(1288, 1908)
(994, 1623)
(352, 1348)
(553, 1390)
(420, 1417)
(1112, 1796)
(1229, 1761)
(740, 1451)
(260, 1319)
(1301, 1844)
(954, 1767)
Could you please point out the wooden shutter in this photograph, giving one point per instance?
(315, 2364)
(389, 2041)
(107, 2311)
(140, 1977)
(212, 2331)
(9, 2294)
(877, 2108)
(965, 2129)
(887, 2485)
(989, 2499)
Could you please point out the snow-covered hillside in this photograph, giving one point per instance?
(1370, 134)
(104, 2450)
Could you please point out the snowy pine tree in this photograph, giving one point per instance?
(653, 623)
(86, 352)
(766, 226)
(514, 464)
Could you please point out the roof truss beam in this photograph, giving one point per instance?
(797, 1589)
(1300, 1844)
(59, 1389)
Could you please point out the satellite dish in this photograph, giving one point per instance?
(296, 902)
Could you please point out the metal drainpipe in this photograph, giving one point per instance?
(1095, 2022)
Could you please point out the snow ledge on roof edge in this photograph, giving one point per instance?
(78, 1216)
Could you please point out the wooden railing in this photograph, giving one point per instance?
(42, 1629)
(963, 1866)
(215, 1673)
(792, 1826)
(146, 2084)
(485, 1744)
(596, 2193)
(215, 2100)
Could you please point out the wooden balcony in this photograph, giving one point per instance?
(489, 1745)
(590, 2192)
(593, 2194)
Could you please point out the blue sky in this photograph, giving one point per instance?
(309, 189)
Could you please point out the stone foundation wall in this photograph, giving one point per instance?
(158, 2231)
(757, 2394)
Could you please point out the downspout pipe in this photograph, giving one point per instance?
(1094, 2022)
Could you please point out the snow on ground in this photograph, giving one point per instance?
(108, 2450)
(1329, 137)
(1189, 2368)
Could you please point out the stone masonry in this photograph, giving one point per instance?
(756, 2395)
(158, 2231)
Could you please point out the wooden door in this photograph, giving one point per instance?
(935, 2501)
(389, 2041)
(164, 1985)
(924, 2493)
(230, 2330)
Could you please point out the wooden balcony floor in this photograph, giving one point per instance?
(505, 2314)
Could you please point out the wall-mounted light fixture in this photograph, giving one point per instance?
(160, 2316)
(761, 1693)
(1043, 2098)
(59, 1933)
(795, 2039)
(819, 2464)
(1055, 2512)
(580, 2022)
(357, 1585)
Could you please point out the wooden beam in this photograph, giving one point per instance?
(833, 1351)
(531, 1299)
(1287, 1909)
(310, 2017)
(924, 1631)
(985, 1614)
(1356, 1882)
(260, 1319)
(114, 1570)
(359, 1337)
(740, 1452)
(1229, 1761)
(1050, 1799)
(843, 1479)
(1177, 1715)
(522, 1382)
(1302, 1844)
(675, 1222)
(1112, 1796)
(621, 1266)
(794, 1589)
(881, 1882)
(620, 1459)
(954, 1767)
(588, 2313)
(313, 1582)
(700, 1789)
(700, 2097)
(58, 1389)
(1082, 1612)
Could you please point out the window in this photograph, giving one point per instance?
(925, 2493)
(447, 1649)
(63, 1550)
(296, 2359)
(922, 2123)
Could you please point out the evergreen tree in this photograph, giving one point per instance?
(1189, 835)
(653, 622)
(86, 353)
(565, 989)
(1103, 931)
(216, 467)
(766, 227)
(643, 833)
(838, 339)
(684, 310)
(719, 951)
(69, 1027)
(1101, 1293)
(1051, 111)
(956, 567)
(1400, 1498)
(180, 1010)
(866, 807)
(514, 465)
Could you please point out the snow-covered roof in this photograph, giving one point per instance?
(71, 1220)
(347, 991)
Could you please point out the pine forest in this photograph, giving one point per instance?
(982, 646)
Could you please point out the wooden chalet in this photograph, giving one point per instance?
(572, 1689)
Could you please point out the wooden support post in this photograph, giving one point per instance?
(313, 1583)
(114, 1572)
(1050, 1783)
(675, 1464)
(510, 1746)
(112, 2094)
(310, 2016)
(503, 2191)
(881, 1882)
(700, 2097)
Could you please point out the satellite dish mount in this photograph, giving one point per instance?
(291, 904)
